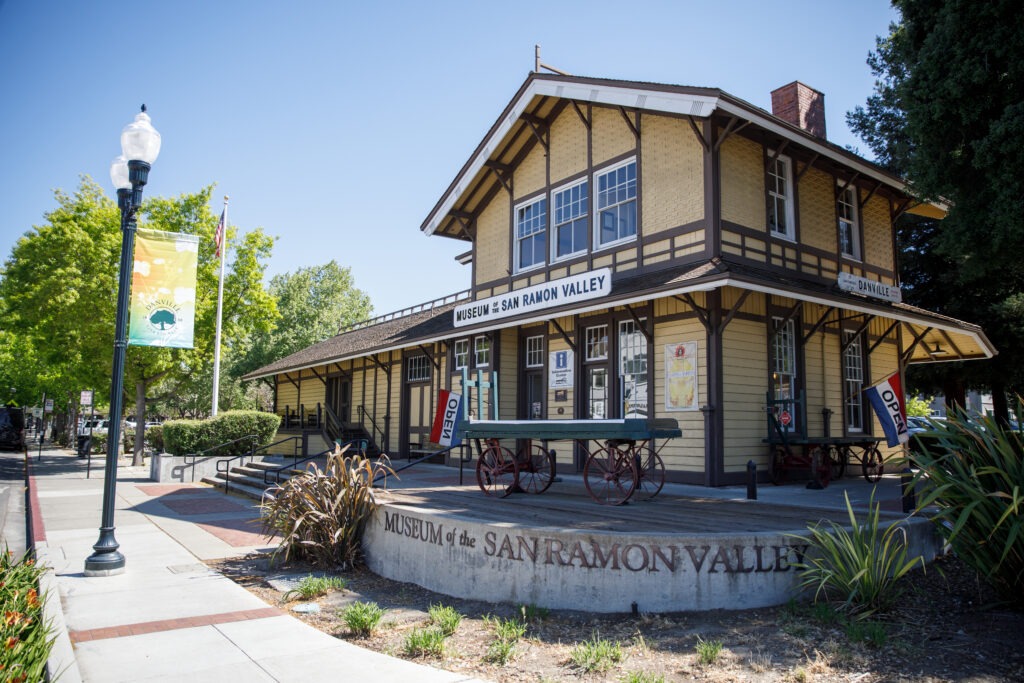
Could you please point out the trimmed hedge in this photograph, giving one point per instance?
(182, 437)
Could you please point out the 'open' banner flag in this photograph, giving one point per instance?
(887, 399)
(446, 419)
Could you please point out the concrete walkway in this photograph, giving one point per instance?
(168, 617)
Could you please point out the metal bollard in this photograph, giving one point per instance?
(907, 484)
(751, 480)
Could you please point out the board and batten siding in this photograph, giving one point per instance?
(745, 377)
(685, 454)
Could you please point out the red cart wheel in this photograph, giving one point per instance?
(872, 464)
(651, 471)
(778, 465)
(838, 458)
(610, 475)
(496, 471)
(537, 471)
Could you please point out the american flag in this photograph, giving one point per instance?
(218, 237)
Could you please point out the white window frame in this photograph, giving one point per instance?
(417, 369)
(534, 349)
(633, 352)
(847, 219)
(782, 360)
(598, 209)
(584, 216)
(481, 352)
(464, 343)
(853, 381)
(538, 226)
(596, 345)
(785, 197)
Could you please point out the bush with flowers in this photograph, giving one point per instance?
(25, 637)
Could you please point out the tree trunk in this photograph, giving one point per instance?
(1000, 406)
(954, 393)
(140, 423)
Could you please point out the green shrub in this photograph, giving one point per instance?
(321, 515)
(362, 618)
(447, 619)
(424, 642)
(25, 638)
(315, 586)
(972, 471)
(155, 437)
(181, 437)
(507, 633)
(708, 650)
(859, 567)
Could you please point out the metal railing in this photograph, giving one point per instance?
(428, 456)
(360, 444)
(190, 459)
(374, 428)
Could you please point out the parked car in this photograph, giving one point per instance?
(12, 428)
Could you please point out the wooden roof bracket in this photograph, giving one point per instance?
(320, 377)
(902, 208)
(570, 342)
(376, 361)
(640, 324)
(294, 382)
(733, 311)
(840, 190)
(913, 345)
(429, 353)
(789, 316)
(870, 195)
(501, 171)
(822, 321)
(635, 127)
(952, 344)
(730, 130)
(698, 134)
(702, 313)
(807, 167)
(538, 127)
(856, 333)
(465, 220)
(583, 117)
(885, 335)
(774, 157)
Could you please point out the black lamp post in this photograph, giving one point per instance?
(140, 145)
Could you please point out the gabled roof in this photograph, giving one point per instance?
(540, 93)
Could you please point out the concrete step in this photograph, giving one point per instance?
(254, 492)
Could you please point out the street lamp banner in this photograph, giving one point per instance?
(163, 306)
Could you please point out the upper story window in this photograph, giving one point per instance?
(780, 198)
(616, 204)
(849, 234)
(418, 369)
(531, 233)
(571, 205)
(461, 354)
(481, 351)
(535, 351)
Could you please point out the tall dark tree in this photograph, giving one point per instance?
(948, 112)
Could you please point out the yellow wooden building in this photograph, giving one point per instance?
(639, 249)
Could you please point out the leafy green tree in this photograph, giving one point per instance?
(58, 292)
(313, 303)
(948, 112)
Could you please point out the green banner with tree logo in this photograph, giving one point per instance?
(163, 305)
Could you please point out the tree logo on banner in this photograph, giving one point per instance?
(162, 316)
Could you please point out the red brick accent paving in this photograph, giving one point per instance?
(171, 624)
(172, 489)
(203, 506)
(238, 532)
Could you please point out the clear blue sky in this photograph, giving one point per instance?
(336, 126)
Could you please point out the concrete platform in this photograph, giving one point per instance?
(690, 548)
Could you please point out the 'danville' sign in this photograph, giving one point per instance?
(569, 290)
(849, 282)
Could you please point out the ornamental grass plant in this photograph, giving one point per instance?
(25, 637)
(321, 515)
(859, 566)
(971, 476)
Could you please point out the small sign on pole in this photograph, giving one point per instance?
(48, 405)
(86, 398)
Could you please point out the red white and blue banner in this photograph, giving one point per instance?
(887, 399)
(446, 420)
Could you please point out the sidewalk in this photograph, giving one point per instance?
(168, 617)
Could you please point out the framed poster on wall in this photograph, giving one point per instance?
(681, 376)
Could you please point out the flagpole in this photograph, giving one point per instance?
(222, 248)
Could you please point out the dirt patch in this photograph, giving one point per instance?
(947, 628)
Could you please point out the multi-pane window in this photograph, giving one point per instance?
(780, 198)
(535, 352)
(782, 355)
(846, 210)
(597, 343)
(531, 233)
(481, 351)
(616, 204)
(633, 369)
(853, 382)
(570, 225)
(418, 369)
(461, 353)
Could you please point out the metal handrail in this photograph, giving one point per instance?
(195, 456)
(224, 461)
(373, 433)
(332, 425)
(361, 445)
(417, 461)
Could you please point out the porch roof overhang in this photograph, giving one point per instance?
(929, 337)
(518, 126)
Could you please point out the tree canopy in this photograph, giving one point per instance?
(948, 112)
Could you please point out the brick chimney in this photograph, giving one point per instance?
(802, 106)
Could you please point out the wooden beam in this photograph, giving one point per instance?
(584, 119)
(789, 316)
(884, 336)
(806, 168)
(818, 325)
(570, 342)
(734, 310)
(429, 353)
(845, 345)
(640, 324)
(633, 127)
(870, 195)
(376, 361)
(774, 157)
(730, 129)
(917, 340)
(702, 314)
(697, 132)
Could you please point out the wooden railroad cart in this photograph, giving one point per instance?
(826, 457)
(621, 456)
